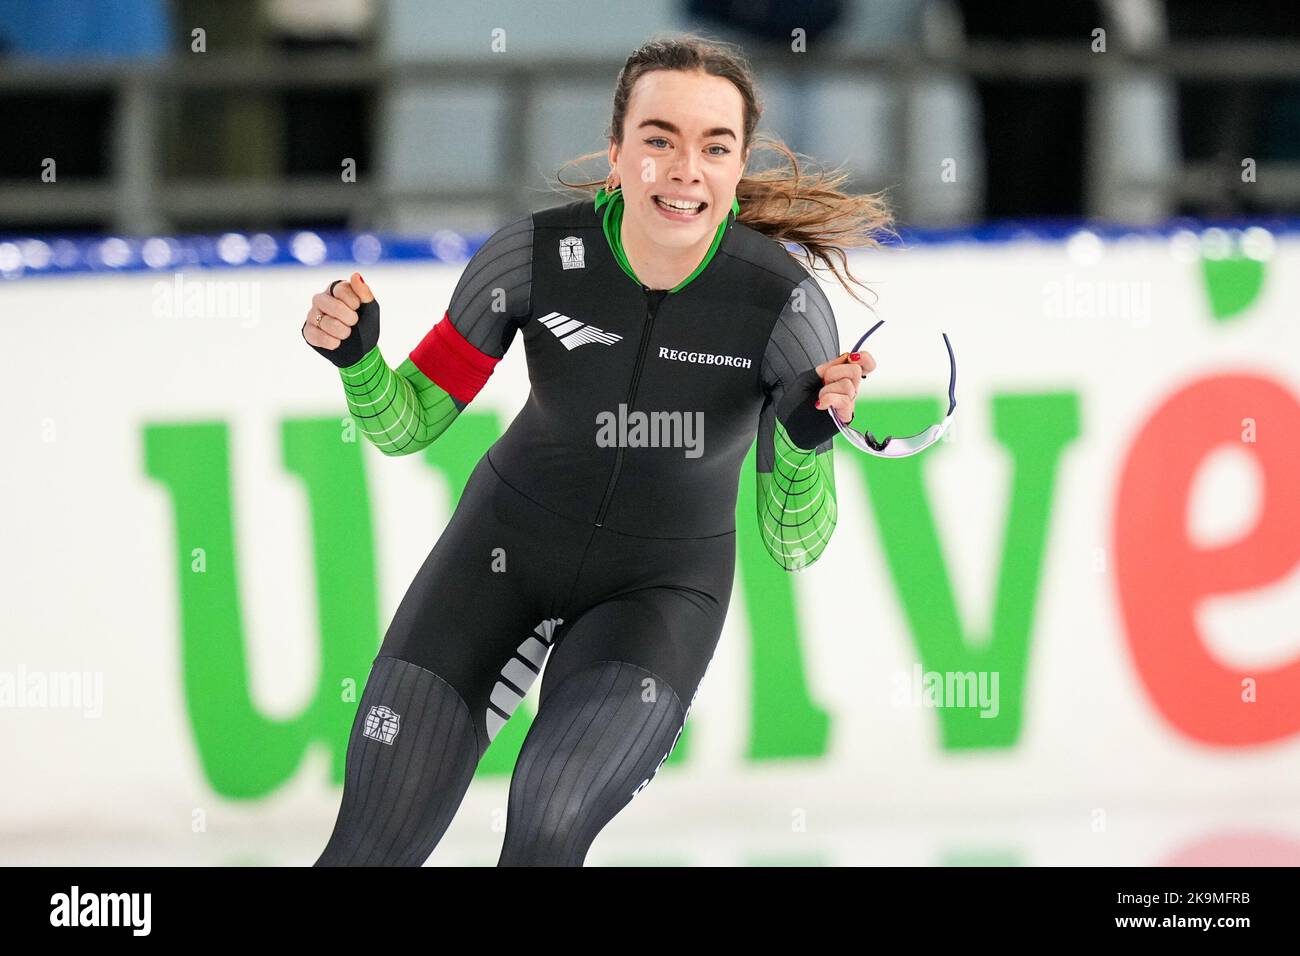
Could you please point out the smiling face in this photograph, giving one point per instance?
(681, 157)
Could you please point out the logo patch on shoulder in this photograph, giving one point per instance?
(572, 254)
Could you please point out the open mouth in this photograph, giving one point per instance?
(681, 207)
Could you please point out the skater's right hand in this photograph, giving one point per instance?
(343, 322)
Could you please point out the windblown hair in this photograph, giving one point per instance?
(784, 201)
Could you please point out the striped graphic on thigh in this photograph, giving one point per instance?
(519, 673)
(686, 716)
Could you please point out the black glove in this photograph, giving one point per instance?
(364, 337)
(807, 425)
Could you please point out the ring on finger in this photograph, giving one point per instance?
(318, 318)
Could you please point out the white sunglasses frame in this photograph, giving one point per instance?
(907, 445)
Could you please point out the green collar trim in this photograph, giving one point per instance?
(613, 220)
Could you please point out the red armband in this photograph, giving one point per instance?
(451, 362)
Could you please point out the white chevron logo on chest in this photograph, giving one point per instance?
(573, 333)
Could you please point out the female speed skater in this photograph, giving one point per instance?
(581, 542)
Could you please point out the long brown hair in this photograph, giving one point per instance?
(783, 202)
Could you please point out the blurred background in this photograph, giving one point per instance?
(1105, 553)
(201, 115)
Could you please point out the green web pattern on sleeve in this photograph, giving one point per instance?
(796, 502)
(400, 411)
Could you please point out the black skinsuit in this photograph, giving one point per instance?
(612, 566)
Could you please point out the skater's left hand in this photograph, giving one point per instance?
(842, 376)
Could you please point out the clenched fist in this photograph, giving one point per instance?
(343, 322)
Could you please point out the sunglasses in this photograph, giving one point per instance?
(891, 447)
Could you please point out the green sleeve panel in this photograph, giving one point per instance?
(400, 411)
(796, 502)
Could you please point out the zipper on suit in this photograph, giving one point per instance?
(653, 300)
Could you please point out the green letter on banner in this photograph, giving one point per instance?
(1035, 430)
(243, 753)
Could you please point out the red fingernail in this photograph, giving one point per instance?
(855, 356)
(817, 404)
(362, 278)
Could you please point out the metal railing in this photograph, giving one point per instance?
(137, 199)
